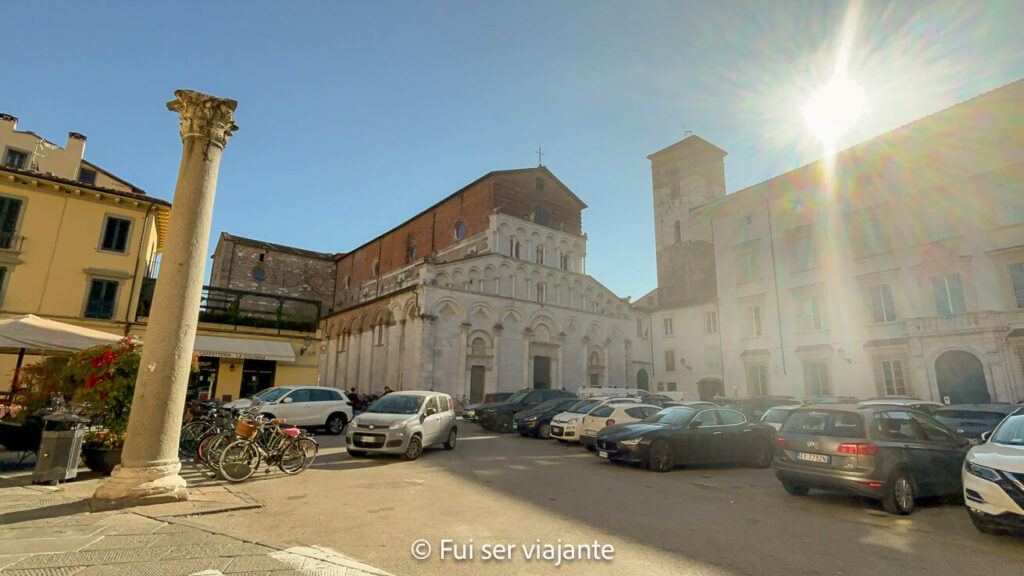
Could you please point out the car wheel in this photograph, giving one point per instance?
(794, 488)
(414, 450)
(763, 454)
(660, 458)
(899, 493)
(452, 436)
(544, 432)
(356, 453)
(504, 424)
(336, 423)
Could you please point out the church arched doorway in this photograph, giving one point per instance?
(961, 378)
(642, 382)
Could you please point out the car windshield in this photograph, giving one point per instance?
(584, 406)
(273, 394)
(397, 404)
(517, 398)
(774, 416)
(825, 423)
(1011, 431)
(264, 392)
(673, 415)
(550, 404)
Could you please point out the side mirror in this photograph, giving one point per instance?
(694, 424)
(287, 400)
(986, 435)
(429, 412)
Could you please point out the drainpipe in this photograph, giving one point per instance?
(775, 279)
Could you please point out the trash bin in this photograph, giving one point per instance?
(60, 448)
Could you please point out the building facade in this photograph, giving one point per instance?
(897, 271)
(484, 291)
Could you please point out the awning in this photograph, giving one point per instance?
(33, 333)
(245, 348)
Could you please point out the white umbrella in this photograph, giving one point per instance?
(34, 333)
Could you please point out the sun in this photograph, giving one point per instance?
(834, 109)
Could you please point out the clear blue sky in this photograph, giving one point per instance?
(356, 115)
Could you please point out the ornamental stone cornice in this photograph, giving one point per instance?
(204, 116)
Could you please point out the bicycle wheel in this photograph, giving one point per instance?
(298, 455)
(239, 460)
(191, 434)
(210, 450)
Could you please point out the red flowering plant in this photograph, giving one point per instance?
(101, 378)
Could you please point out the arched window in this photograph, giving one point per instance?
(412, 251)
(540, 254)
(595, 358)
(540, 292)
(479, 347)
(348, 281)
(678, 233)
(460, 230)
(540, 215)
(515, 249)
(376, 267)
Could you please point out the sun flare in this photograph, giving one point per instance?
(833, 109)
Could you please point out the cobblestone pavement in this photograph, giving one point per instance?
(50, 531)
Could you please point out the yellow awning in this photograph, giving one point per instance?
(245, 348)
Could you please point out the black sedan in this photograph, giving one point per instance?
(536, 421)
(971, 420)
(683, 435)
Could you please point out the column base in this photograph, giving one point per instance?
(140, 486)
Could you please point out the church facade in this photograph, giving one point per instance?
(485, 291)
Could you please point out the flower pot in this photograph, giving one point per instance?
(101, 460)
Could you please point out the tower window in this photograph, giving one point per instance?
(540, 215)
(460, 230)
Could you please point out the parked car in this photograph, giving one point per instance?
(993, 478)
(243, 403)
(609, 392)
(687, 435)
(659, 400)
(498, 416)
(754, 407)
(970, 420)
(830, 400)
(607, 414)
(694, 404)
(307, 406)
(565, 426)
(470, 411)
(536, 421)
(774, 417)
(404, 423)
(926, 406)
(889, 453)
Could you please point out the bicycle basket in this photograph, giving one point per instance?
(245, 429)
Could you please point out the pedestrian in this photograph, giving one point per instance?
(353, 400)
(387, 390)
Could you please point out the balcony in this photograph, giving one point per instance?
(11, 242)
(242, 311)
(972, 322)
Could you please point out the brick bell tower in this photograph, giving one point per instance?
(688, 173)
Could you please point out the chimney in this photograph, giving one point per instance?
(8, 122)
(76, 146)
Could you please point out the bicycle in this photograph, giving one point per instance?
(290, 449)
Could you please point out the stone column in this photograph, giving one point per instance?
(149, 462)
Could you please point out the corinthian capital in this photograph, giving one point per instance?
(204, 116)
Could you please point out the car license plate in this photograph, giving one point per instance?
(515, 425)
(365, 438)
(973, 441)
(556, 429)
(819, 458)
(602, 454)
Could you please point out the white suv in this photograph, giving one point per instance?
(565, 425)
(310, 406)
(993, 477)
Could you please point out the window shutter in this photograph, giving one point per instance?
(1017, 277)
(941, 297)
(956, 294)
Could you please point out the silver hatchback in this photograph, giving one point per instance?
(404, 423)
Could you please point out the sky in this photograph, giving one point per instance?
(355, 116)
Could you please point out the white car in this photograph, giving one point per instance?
(776, 415)
(993, 477)
(310, 406)
(565, 426)
(607, 414)
(925, 406)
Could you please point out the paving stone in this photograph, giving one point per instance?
(8, 559)
(178, 529)
(45, 545)
(176, 567)
(249, 564)
(189, 551)
(62, 571)
(125, 542)
(87, 558)
(131, 524)
(19, 532)
(245, 549)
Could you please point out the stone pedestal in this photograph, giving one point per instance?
(149, 468)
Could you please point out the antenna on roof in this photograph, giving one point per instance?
(687, 133)
(36, 154)
(540, 157)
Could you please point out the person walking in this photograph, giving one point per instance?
(387, 390)
(353, 401)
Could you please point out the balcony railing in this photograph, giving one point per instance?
(973, 321)
(238, 308)
(11, 242)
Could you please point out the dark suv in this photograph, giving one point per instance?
(890, 453)
(498, 416)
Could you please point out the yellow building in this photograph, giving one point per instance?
(80, 245)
